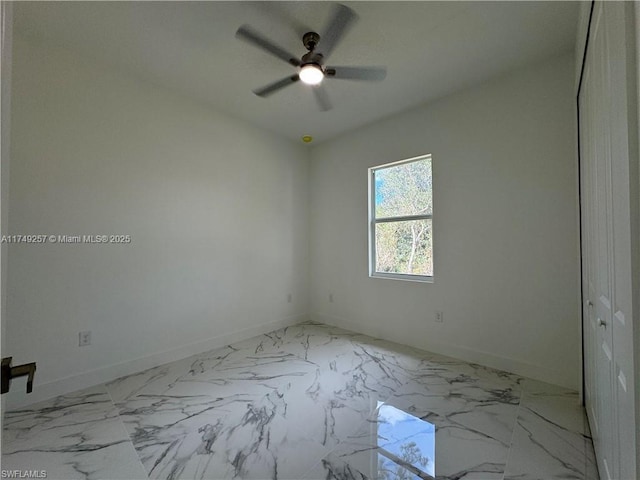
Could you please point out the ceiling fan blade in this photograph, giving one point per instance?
(322, 98)
(275, 86)
(342, 19)
(374, 74)
(248, 34)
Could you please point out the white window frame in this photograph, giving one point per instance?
(373, 221)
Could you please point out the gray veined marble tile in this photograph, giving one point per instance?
(488, 410)
(239, 436)
(75, 436)
(396, 444)
(159, 379)
(165, 428)
(308, 401)
(411, 355)
(304, 340)
(445, 370)
(333, 468)
(327, 420)
(344, 391)
(235, 372)
(224, 423)
(392, 444)
(548, 446)
(561, 407)
(537, 388)
(196, 368)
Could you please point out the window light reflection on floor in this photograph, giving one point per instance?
(405, 442)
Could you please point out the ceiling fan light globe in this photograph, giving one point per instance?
(311, 74)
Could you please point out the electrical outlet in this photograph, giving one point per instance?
(439, 316)
(331, 298)
(84, 339)
(289, 298)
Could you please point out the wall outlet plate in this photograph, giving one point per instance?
(84, 338)
(439, 316)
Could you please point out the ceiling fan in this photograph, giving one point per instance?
(311, 66)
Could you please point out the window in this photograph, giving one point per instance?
(400, 219)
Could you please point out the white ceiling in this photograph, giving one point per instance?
(430, 49)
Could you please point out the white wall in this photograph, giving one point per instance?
(216, 210)
(505, 226)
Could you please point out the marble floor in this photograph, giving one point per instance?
(308, 402)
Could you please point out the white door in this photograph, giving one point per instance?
(606, 244)
(618, 36)
(587, 163)
(596, 188)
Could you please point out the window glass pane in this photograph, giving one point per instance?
(404, 247)
(403, 189)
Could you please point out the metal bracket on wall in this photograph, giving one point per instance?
(9, 373)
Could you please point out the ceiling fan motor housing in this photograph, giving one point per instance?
(312, 58)
(310, 40)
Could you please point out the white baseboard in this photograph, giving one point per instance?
(536, 372)
(18, 398)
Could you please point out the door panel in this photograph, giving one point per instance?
(621, 238)
(606, 244)
(601, 250)
(588, 266)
